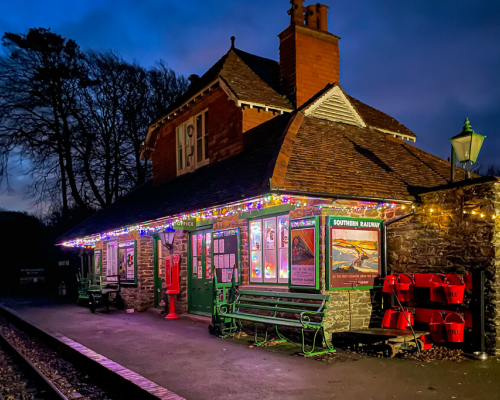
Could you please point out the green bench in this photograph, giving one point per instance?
(304, 311)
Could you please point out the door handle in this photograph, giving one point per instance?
(205, 283)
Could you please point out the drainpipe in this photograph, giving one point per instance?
(384, 235)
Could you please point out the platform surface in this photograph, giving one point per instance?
(182, 356)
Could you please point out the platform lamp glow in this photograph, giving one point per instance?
(465, 146)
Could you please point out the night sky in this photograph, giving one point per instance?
(427, 63)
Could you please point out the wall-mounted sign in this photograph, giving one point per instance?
(354, 252)
(226, 256)
(304, 253)
(185, 225)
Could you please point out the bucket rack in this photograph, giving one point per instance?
(442, 303)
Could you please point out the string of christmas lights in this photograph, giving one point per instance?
(243, 206)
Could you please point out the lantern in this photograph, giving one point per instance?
(467, 144)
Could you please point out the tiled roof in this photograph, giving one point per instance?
(343, 159)
(253, 79)
(241, 176)
(378, 119)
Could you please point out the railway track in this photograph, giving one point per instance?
(21, 379)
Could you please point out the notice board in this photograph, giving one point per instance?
(304, 253)
(226, 256)
(353, 253)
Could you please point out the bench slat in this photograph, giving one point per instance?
(266, 301)
(304, 296)
(279, 309)
(273, 321)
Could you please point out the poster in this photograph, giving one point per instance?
(130, 264)
(221, 261)
(232, 260)
(226, 261)
(354, 254)
(303, 268)
(216, 246)
(97, 262)
(221, 246)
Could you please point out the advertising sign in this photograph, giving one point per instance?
(303, 250)
(354, 252)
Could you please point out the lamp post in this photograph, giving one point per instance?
(465, 146)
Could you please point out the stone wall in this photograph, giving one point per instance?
(141, 295)
(447, 234)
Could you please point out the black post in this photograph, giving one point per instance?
(478, 333)
(453, 163)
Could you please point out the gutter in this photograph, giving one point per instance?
(338, 196)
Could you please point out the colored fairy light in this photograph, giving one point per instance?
(161, 224)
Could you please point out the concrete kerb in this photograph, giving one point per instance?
(118, 378)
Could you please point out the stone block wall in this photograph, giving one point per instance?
(141, 295)
(448, 235)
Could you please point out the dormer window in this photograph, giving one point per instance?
(192, 143)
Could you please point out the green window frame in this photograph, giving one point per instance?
(268, 248)
(218, 235)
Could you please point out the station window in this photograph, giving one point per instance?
(122, 260)
(269, 250)
(192, 143)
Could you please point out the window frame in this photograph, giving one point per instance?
(263, 218)
(182, 160)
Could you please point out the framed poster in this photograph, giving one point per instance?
(127, 266)
(226, 243)
(97, 262)
(304, 253)
(353, 252)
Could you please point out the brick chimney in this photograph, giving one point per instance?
(309, 54)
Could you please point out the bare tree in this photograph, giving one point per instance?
(78, 118)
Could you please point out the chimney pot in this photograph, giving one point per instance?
(322, 16)
(296, 12)
(232, 41)
(312, 17)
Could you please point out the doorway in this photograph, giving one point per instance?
(200, 283)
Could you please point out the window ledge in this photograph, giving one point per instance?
(265, 288)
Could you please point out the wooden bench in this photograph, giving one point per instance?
(295, 310)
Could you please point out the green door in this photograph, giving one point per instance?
(200, 273)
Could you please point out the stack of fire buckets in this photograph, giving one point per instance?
(443, 326)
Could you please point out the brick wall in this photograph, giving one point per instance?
(225, 124)
(309, 60)
(449, 241)
(253, 117)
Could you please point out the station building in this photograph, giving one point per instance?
(325, 193)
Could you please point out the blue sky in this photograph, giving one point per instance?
(427, 63)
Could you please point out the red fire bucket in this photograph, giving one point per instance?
(389, 281)
(455, 325)
(403, 321)
(427, 341)
(436, 289)
(390, 319)
(454, 289)
(404, 288)
(437, 328)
